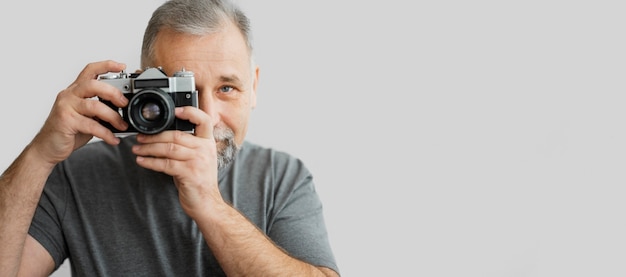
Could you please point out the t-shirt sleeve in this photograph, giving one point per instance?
(299, 225)
(46, 224)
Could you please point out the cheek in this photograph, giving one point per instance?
(253, 100)
(238, 120)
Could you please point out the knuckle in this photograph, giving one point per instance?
(89, 105)
(63, 110)
(93, 127)
(109, 62)
(90, 84)
(64, 116)
(89, 67)
(61, 101)
(65, 94)
(178, 136)
(167, 163)
(172, 147)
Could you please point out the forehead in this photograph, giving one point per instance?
(226, 47)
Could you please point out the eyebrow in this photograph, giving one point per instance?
(231, 79)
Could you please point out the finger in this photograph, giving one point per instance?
(95, 109)
(102, 90)
(164, 150)
(176, 137)
(78, 118)
(92, 70)
(203, 122)
(69, 106)
(167, 166)
(90, 126)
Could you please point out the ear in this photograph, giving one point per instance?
(255, 84)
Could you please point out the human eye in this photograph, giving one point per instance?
(225, 89)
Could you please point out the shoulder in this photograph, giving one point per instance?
(258, 156)
(252, 149)
(270, 164)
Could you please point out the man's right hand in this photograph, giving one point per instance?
(73, 120)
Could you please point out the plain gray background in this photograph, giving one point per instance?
(447, 138)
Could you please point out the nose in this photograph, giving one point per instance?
(209, 104)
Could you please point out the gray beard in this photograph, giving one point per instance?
(225, 137)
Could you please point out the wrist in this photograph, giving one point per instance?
(32, 155)
(203, 207)
(217, 210)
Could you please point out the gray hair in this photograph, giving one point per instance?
(196, 17)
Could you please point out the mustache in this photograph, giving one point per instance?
(227, 149)
(223, 133)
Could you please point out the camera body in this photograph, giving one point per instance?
(152, 96)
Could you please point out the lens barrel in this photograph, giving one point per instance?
(151, 111)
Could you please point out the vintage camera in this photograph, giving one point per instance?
(152, 98)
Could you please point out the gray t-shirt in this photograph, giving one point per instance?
(111, 217)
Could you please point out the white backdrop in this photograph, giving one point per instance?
(447, 138)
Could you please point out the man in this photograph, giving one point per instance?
(171, 203)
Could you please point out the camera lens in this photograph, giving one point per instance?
(151, 111)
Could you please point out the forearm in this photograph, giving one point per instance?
(21, 186)
(243, 250)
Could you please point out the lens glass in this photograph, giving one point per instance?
(151, 111)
